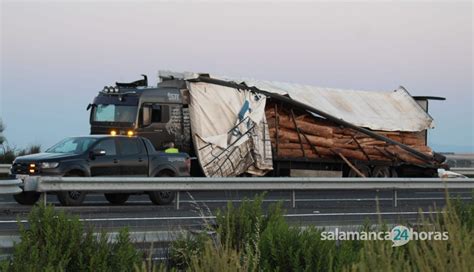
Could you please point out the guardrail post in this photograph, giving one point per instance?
(177, 200)
(293, 199)
(395, 198)
(43, 198)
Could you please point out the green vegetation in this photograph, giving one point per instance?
(245, 239)
(248, 240)
(8, 153)
(54, 241)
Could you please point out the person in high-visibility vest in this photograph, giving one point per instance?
(171, 149)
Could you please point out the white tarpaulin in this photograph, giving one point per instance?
(229, 130)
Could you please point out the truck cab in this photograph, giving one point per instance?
(159, 113)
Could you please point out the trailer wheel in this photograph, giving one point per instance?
(117, 199)
(27, 198)
(382, 172)
(71, 198)
(364, 169)
(162, 197)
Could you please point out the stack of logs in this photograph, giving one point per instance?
(303, 135)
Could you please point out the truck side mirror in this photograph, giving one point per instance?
(97, 153)
(146, 116)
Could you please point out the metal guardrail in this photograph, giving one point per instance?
(464, 171)
(107, 184)
(10, 186)
(5, 168)
(292, 184)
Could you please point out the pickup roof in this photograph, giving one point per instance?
(101, 155)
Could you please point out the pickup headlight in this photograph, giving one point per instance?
(46, 165)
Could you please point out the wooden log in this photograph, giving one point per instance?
(404, 155)
(296, 153)
(292, 136)
(413, 141)
(307, 127)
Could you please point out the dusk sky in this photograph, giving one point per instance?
(55, 57)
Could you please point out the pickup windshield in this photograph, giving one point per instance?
(114, 113)
(75, 145)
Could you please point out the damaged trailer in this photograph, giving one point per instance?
(248, 127)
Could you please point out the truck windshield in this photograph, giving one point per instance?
(114, 113)
(76, 145)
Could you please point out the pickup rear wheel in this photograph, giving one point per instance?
(162, 197)
(71, 198)
(27, 198)
(117, 199)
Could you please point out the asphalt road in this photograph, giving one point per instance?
(313, 208)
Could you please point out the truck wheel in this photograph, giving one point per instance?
(381, 172)
(117, 199)
(161, 198)
(71, 198)
(27, 198)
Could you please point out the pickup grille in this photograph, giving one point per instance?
(24, 169)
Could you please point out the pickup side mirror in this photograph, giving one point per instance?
(146, 116)
(97, 153)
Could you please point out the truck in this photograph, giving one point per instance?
(101, 155)
(238, 127)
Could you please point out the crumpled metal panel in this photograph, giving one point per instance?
(389, 111)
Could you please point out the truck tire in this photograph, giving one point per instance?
(382, 172)
(162, 197)
(71, 198)
(27, 198)
(117, 199)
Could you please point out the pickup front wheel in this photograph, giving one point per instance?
(71, 198)
(27, 198)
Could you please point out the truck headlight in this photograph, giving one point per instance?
(46, 165)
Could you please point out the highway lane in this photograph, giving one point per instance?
(319, 208)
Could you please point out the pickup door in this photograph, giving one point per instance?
(133, 157)
(107, 165)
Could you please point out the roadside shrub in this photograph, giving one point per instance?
(263, 242)
(251, 240)
(8, 153)
(290, 248)
(238, 226)
(55, 241)
(32, 149)
(185, 248)
(217, 258)
(455, 254)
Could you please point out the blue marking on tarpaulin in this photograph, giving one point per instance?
(244, 109)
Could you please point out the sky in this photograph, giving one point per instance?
(56, 56)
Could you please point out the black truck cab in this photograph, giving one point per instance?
(159, 114)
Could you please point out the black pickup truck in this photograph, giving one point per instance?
(101, 155)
